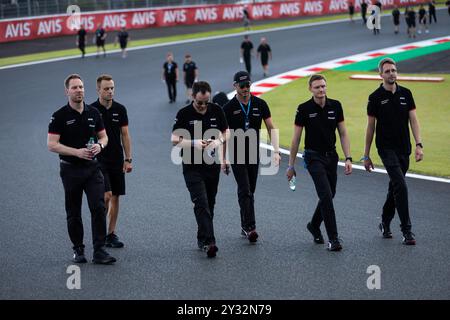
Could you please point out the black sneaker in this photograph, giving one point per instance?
(408, 238)
(78, 255)
(318, 238)
(251, 235)
(112, 241)
(201, 245)
(386, 230)
(334, 245)
(102, 257)
(211, 250)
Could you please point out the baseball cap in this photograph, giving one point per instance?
(241, 76)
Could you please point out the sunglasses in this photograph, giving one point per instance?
(201, 103)
(243, 85)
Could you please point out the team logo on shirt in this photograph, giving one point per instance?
(194, 122)
(70, 122)
(331, 115)
(51, 119)
(384, 101)
(313, 115)
(236, 112)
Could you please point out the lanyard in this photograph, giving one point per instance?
(246, 113)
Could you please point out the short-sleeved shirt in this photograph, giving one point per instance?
(170, 70)
(320, 123)
(123, 37)
(422, 13)
(194, 125)
(396, 15)
(190, 68)
(391, 111)
(114, 119)
(247, 46)
(257, 110)
(81, 37)
(264, 51)
(75, 129)
(99, 34)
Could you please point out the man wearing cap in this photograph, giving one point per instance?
(244, 114)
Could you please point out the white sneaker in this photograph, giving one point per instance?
(427, 31)
(419, 31)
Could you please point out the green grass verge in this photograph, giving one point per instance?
(433, 109)
(144, 42)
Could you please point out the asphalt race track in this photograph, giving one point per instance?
(160, 259)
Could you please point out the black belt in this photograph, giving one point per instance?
(322, 153)
(86, 163)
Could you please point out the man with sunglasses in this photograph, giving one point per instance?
(244, 114)
(199, 129)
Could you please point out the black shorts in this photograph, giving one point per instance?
(123, 45)
(114, 179)
(189, 83)
(100, 43)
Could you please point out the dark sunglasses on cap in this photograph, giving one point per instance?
(245, 84)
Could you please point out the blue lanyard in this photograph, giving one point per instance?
(248, 108)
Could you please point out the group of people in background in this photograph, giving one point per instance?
(409, 13)
(99, 39)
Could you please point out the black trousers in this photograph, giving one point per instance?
(248, 64)
(87, 178)
(246, 176)
(172, 88)
(202, 184)
(323, 171)
(397, 197)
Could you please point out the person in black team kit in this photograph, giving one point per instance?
(396, 19)
(244, 114)
(112, 162)
(123, 37)
(390, 109)
(422, 20)
(71, 129)
(100, 37)
(170, 76)
(321, 116)
(190, 75)
(201, 170)
(432, 11)
(364, 11)
(246, 53)
(351, 10)
(81, 40)
(266, 54)
(411, 21)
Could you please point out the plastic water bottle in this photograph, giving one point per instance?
(91, 143)
(292, 183)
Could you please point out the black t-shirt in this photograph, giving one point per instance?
(190, 68)
(411, 15)
(320, 123)
(81, 36)
(196, 125)
(170, 70)
(114, 119)
(264, 51)
(364, 8)
(257, 110)
(247, 46)
(422, 13)
(392, 113)
(123, 37)
(75, 129)
(396, 14)
(99, 34)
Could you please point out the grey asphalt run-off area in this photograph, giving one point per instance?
(156, 222)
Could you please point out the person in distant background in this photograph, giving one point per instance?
(246, 53)
(123, 37)
(190, 75)
(266, 55)
(396, 19)
(351, 10)
(100, 37)
(246, 18)
(432, 11)
(170, 76)
(81, 40)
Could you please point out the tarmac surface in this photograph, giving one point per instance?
(160, 259)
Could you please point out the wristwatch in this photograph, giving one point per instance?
(128, 160)
(349, 158)
(419, 145)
